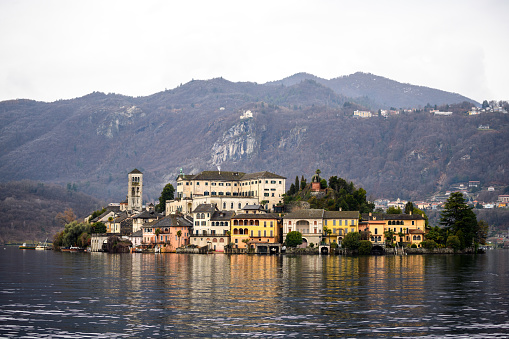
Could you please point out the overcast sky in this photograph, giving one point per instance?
(64, 49)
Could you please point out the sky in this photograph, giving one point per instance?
(51, 50)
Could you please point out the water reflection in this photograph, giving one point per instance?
(161, 295)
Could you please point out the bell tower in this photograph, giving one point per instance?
(135, 191)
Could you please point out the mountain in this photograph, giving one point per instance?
(383, 93)
(29, 208)
(298, 125)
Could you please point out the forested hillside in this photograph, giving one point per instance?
(92, 142)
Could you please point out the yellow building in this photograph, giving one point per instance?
(407, 228)
(251, 231)
(339, 223)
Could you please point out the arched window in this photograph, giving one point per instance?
(241, 222)
(224, 205)
(240, 205)
(221, 223)
(415, 238)
(214, 240)
(221, 240)
(245, 231)
(235, 222)
(246, 222)
(241, 231)
(235, 231)
(418, 237)
(251, 222)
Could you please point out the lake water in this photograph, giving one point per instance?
(47, 294)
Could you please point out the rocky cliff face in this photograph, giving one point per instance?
(237, 143)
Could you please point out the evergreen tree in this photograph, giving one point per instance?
(459, 219)
(167, 194)
(297, 184)
(302, 183)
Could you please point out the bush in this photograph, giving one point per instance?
(365, 247)
(293, 239)
(429, 244)
(453, 242)
(311, 245)
(334, 245)
(352, 241)
(413, 246)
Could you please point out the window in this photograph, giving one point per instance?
(221, 184)
(272, 194)
(231, 206)
(240, 205)
(289, 229)
(413, 222)
(315, 222)
(376, 230)
(259, 233)
(206, 184)
(198, 183)
(213, 184)
(341, 223)
(273, 181)
(265, 194)
(264, 224)
(333, 222)
(271, 224)
(206, 193)
(264, 233)
(224, 205)
(334, 230)
(280, 182)
(251, 232)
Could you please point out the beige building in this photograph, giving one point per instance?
(224, 203)
(264, 187)
(309, 222)
(211, 227)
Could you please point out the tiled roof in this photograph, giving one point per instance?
(222, 215)
(415, 231)
(305, 214)
(205, 208)
(135, 171)
(229, 176)
(147, 215)
(257, 216)
(171, 221)
(262, 175)
(341, 215)
(252, 208)
(382, 216)
(219, 175)
(138, 233)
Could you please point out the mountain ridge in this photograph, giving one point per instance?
(95, 140)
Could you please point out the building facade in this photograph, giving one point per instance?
(265, 188)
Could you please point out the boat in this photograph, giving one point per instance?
(44, 246)
(27, 247)
(72, 249)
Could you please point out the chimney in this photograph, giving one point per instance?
(370, 214)
(410, 213)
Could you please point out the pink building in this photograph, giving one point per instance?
(167, 234)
